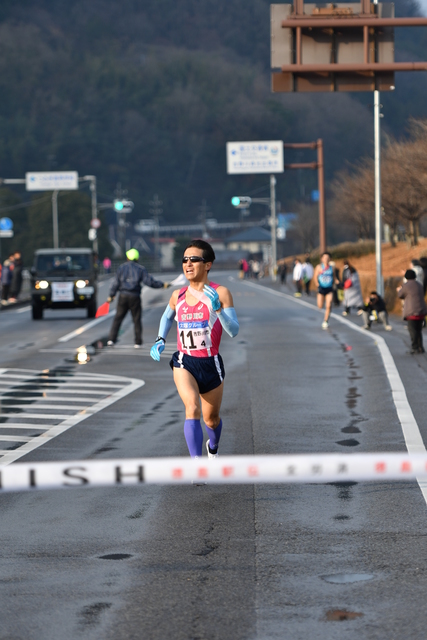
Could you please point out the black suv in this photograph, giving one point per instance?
(63, 279)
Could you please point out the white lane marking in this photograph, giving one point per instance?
(67, 421)
(16, 438)
(42, 399)
(23, 309)
(30, 405)
(47, 392)
(411, 432)
(21, 425)
(85, 327)
(46, 377)
(45, 383)
(45, 416)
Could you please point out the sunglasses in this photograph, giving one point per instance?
(192, 259)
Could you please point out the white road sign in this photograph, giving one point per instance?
(52, 180)
(255, 157)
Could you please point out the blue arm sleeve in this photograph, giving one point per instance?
(166, 322)
(229, 322)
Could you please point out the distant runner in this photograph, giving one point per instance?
(324, 280)
(202, 310)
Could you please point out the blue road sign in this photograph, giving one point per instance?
(6, 224)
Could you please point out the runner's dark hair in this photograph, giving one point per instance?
(208, 252)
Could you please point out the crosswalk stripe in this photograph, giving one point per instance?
(95, 391)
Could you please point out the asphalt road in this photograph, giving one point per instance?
(209, 562)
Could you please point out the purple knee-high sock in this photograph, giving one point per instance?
(214, 436)
(194, 436)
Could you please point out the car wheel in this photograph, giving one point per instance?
(37, 311)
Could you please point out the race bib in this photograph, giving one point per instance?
(195, 335)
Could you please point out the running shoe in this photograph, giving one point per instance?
(345, 313)
(297, 295)
(210, 455)
(388, 327)
(110, 343)
(325, 325)
(366, 326)
(137, 346)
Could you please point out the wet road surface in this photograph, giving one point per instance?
(285, 561)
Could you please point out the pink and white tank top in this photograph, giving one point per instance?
(199, 329)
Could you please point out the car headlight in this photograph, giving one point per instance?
(80, 284)
(42, 284)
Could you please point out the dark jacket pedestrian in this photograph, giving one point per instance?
(414, 309)
(128, 281)
(6, 279)
(283, 271)
(16, 282)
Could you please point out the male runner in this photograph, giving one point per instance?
(202, 310)
(324, 279)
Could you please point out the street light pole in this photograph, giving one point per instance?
(273, 222)
(94, 202)
(55, 219)
(321, 188)
(377, 171)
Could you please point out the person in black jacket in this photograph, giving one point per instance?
(129, 279)
(375, 305)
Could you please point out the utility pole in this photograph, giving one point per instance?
(55, 219)
(94, 205)
(273, 225)
(377, 176)
(121, 218)
(156, 211)
(320, 181)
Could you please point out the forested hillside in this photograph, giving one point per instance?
(147, 92)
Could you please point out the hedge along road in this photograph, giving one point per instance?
(273, 561)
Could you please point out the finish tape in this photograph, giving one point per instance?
(278, 469)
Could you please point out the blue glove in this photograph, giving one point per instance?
(213, 297)
(157, 349)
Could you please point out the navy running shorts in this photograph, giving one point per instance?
(324, 290)
(208, 372)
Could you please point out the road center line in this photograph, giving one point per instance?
(85, 327)
(411, 432)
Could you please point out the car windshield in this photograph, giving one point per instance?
(63, 263)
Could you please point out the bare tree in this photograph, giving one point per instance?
(403, 187)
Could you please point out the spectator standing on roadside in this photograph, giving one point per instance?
(307, 274)
(414, 310)
(375, 303)
(129, 279)
(255, 267)
(336, 284)
(419, 273)
(423, 263)
(16, 282)
(297, 277)
(6, 279)
(106, 263)
(283, 270)
(352, 291)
